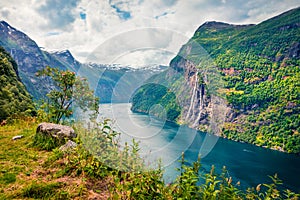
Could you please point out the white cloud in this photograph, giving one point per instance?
(82, 25)
(149, 43)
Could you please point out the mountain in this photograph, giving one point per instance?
(237, 81)
(31, 58)
(116, 83)
(14, 99)
(66, 59)
(112, 83)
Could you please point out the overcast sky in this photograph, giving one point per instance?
(136, 32)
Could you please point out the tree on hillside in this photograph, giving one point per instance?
(69, 91)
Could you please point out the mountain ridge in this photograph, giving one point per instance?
(30, 58)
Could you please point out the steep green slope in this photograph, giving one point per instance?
(14, 99)
(260, 68)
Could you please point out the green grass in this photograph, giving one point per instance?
(45, 142)
(8, 178)
(42, 191)
(28, 172)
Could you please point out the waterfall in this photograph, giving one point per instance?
(196, 122)
(196, 107)
(193, 97)
(201, 104)
(195, 101)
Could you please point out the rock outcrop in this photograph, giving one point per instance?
(56, 130)
(70, 145)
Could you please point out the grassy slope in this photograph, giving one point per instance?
(28, 172)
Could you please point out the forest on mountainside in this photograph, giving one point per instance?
(14, 98)
(260, 68)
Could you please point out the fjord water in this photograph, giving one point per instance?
(165, 141)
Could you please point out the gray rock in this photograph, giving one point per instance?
(68, 146)
(17, 137)
(56, 130)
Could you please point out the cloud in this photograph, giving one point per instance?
(5, 13)
(52, 33)
(138, 40)
(23, 16)
(121, 10)
(82, 26)
(163, 14)
(170, 2)
(58, 13)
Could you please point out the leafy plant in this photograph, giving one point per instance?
(69, 91)
(80, 173)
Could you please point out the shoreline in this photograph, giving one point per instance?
(220, 136)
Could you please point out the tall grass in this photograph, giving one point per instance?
(142, 183)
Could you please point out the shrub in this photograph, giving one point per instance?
(46, 142)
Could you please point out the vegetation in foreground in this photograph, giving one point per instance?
(29, 172)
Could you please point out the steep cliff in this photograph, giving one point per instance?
(14, 99)
(241, 82)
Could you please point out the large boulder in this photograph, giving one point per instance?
(56, 130)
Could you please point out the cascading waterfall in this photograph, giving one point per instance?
(195, 110)
(200, 105)
(192, 99)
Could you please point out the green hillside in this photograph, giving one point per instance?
(260, 67)
(14, 99)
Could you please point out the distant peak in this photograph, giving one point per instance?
(61, 52)
(215, 23)
(5, 24)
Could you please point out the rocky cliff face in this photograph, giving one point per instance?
(193, 98)
(203, 107)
